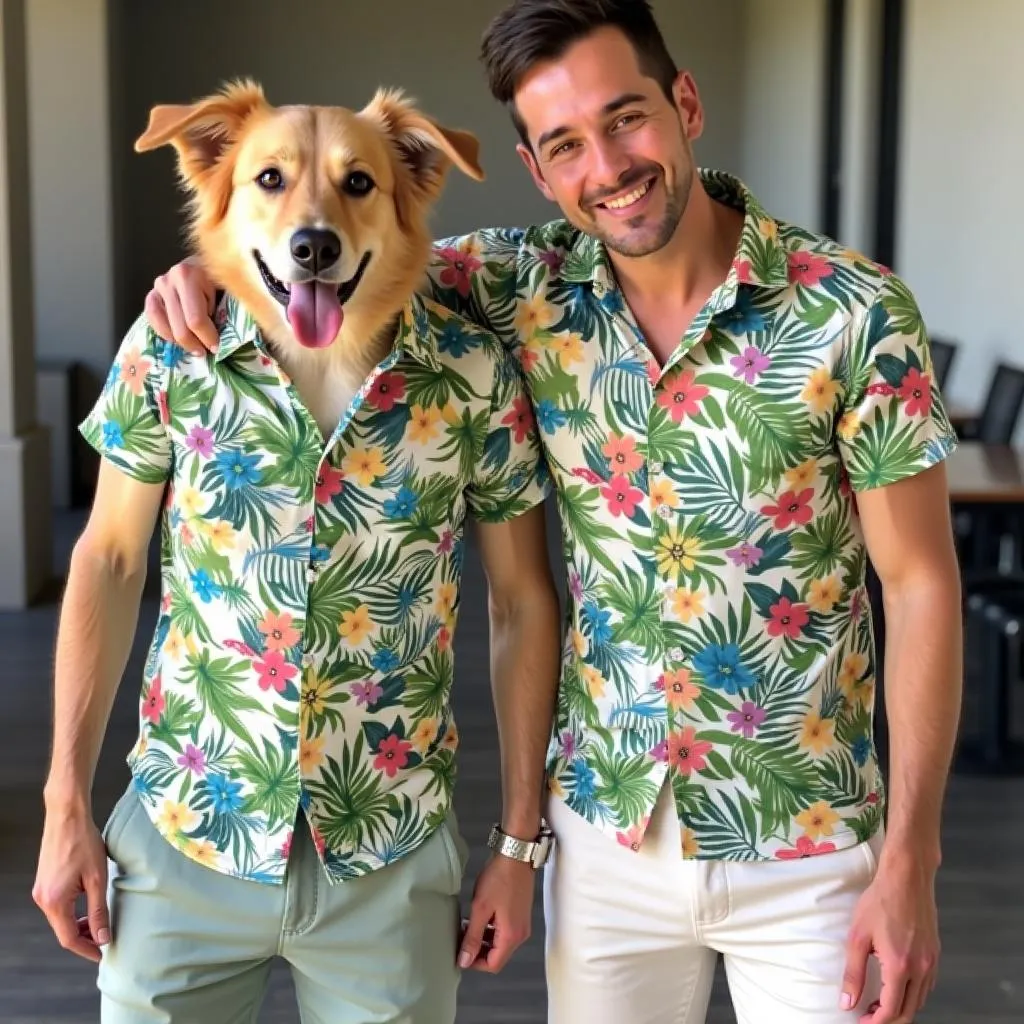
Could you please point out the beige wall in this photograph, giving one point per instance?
(860, 124)
(781, 61)
(339, 52)
(71, 201)
(962, 164)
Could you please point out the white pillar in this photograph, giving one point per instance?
(26, 555)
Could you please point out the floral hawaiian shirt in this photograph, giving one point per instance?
(303, 649)
(719, 631)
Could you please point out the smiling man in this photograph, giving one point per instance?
(737, 414)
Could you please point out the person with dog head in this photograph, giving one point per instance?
(738, 413)
(293, 776)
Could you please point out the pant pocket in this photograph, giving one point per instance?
(118, 819)
(455, 850)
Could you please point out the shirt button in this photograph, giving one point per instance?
(664, 511)
(311, 574)
(307, 660)
(656, 467)
(676, 654)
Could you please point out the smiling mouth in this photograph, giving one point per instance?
(282, 291)
(623, 202)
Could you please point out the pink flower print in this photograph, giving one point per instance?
(750, 364)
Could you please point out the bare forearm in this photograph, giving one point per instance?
(98, 618)
(524, 673)
(923, 689)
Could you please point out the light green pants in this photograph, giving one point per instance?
(193, 946)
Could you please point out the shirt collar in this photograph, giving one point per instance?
(237, 328)
(760, 259)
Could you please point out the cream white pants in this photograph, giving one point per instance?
(633, 937)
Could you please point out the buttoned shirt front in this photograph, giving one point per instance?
(310, 591)
(719, 632)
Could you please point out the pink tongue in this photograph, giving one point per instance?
(315, 313)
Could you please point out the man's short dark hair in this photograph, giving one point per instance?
(528, 32)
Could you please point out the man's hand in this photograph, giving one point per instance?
(73, 862)
(896, 919)
(502, 897)
(179, 308)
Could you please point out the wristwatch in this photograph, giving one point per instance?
(534, 853)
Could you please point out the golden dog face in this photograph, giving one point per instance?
(315, 217)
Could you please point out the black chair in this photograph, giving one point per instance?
(991, 537)
(993, 642)
(1003, 403)
(943, 353)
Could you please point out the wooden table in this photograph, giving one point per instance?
(986, 474)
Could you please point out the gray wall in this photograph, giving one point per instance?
(337, 52)
(782, 59)
(959, 215)
(71, 195)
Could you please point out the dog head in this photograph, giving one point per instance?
(316, 218)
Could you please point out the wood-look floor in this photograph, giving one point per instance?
(980, 891)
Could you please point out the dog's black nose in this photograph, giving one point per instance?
(315, 249)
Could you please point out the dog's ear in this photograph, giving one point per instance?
(202, 132)
(425, 148)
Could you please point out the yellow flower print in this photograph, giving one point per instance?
(201, 850)
(356, 625)
(818, 820)
(311, 754)
(191, 502)
(802, 476)
(533, 316)
(424, 424)
(221, 534)
(424, 734)
(687, 605)
(821, 390)
(569, 348)
(823, 595)
(853, 668)
(662, 493)
(676, 553)
(594, 681)
(690, 845)
(818, 733)
(849, 425)
(446, 595)
(175, 818)
(365, 466)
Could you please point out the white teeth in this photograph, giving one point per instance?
(628, 200)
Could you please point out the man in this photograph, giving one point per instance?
(293, 776)
(737, 414)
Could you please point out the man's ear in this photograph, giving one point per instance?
(534, 168)
(425, 149)
(202, 132)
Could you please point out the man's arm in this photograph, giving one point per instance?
(524, 619)
(97, 624)
(910, 542)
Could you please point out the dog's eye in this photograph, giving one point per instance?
(270, 179)
(358, 183)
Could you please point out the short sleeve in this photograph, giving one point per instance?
(126, 425)
(511, 475)
(893, 423)
(475, 276)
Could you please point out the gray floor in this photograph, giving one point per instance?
(981, 885)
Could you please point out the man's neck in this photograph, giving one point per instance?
(695, 261)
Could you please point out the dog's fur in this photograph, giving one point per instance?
(226, 142)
